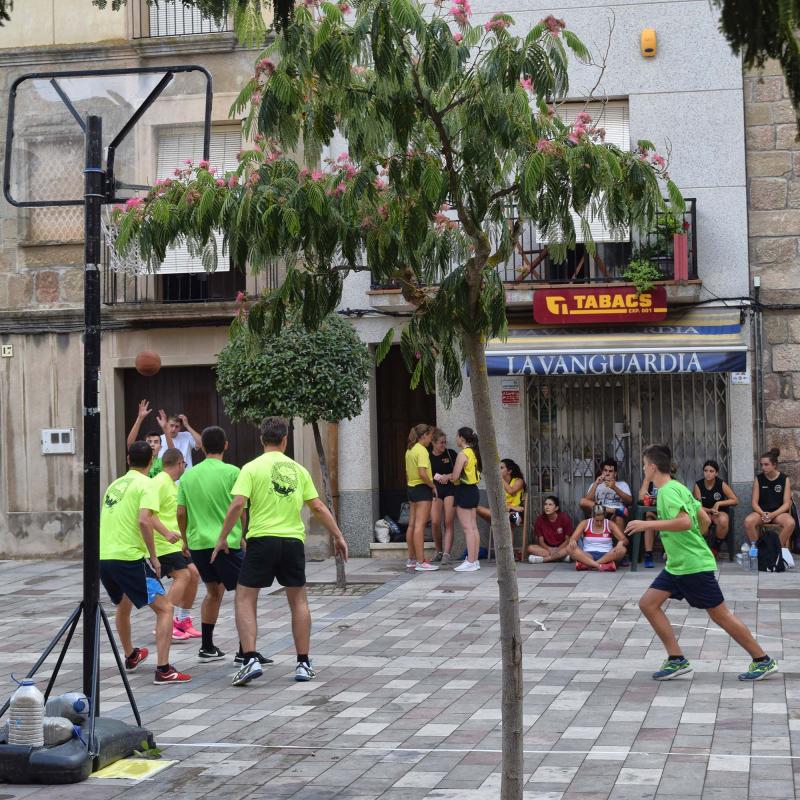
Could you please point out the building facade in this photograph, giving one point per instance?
(564, 396)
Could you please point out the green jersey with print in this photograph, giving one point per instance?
(687, 551)
(277, 487)
(205, 492)
(156, 468)
(167, 513)
(120, 537)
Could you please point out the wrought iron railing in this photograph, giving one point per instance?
(171, 18)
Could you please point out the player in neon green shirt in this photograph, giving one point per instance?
(690, 571)
(204, 495)
(129, 565)
(277, 489)
(175, 563)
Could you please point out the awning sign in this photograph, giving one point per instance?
(598, 305)
(639, 363)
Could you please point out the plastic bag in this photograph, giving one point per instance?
(382, 531)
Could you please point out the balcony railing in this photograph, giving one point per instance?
(171, 18)
(531, 263)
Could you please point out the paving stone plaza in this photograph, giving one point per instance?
(406, 705)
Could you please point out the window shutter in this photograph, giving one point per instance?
(613, 116)
(175, 145)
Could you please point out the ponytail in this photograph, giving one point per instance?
(471, 438)
(772, 455)
(416, 433)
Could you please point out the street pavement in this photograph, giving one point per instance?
(406, 705)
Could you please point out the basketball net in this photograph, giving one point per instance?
(131, 263)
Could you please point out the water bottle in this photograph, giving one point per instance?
(753, 557)
(743, 556)
(73, 706)
(57, 730)
(25, 715)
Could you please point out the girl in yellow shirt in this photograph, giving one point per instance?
(514, 487)
(421, 491)
(466, 476)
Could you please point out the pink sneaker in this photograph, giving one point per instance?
(186, 626)
(177, 634)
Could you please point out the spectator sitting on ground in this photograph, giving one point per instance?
(716, 497)
(552, 530)
(607, 491)
(772, 500)
(514, 487)
(599, 550)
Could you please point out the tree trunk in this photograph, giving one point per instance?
(341, 577)
(510, 636)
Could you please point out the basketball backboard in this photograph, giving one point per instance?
(44, 158)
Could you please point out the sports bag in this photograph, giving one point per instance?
(770, 558)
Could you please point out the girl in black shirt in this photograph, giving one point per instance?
(715, 496)
(772, 500)
(443, 509)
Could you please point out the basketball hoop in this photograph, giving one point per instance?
(132, 262)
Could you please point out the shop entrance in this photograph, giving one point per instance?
(577, 421)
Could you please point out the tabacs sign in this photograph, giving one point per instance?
(593, 306)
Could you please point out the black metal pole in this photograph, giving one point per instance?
(92, 204)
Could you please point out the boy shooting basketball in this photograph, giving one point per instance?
(690, 571)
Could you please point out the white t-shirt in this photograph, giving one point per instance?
(183, 441)
(606, 496)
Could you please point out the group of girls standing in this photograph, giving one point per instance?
(441, 485)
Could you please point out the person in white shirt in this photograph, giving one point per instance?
(184, 440)
(607, 491)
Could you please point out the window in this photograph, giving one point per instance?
(175, 145)
(172, 18)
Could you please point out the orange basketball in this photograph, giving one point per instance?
(148, 363)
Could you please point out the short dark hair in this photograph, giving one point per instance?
(609, 462)
(140, 455)
(171, 457)
(554, 499)
(711, 463)
(660, 456)
(153, 433)
(273, 430)
(214, 440)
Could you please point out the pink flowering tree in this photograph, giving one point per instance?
(448, 125)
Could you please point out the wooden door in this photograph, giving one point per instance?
(399, 407)
(190, 391)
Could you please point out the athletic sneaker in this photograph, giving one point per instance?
(170, 676)
(608, 566)
(411, 563)
(210, 655)
(532, 559)
(252, 669)
(438, 557)
(239, 659)
(648, 561)
(138, 655)
(759, 670)
(304, 671)
(671, 668)
(447, 560)
(186, 626)
(468, 566)
(178, 635)
(424, 566)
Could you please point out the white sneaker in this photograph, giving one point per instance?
(411, 563)
(468, 566)
(424, 566)
(532, 559)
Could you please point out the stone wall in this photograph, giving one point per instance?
(773, 177)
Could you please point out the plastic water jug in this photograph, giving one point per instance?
(25, 716)
(57, 730)
(73, 706)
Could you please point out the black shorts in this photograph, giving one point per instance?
(699, 590)
(445, 490)
(420, 494)
(269, 558)
(172, 562)
(224, 570)
(127, 578)
(467, 495)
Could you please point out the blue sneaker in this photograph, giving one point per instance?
(759, 670)
(671, 668)
(648, 561)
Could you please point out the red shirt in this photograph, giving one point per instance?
(553, 533)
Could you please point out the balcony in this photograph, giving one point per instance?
(531, 266)
(171, 18)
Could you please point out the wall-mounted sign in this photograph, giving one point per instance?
(740, 378)
(591, 306)
(510, 393)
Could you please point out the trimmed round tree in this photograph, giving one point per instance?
(314, 375)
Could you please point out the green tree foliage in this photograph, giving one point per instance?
(318, 375)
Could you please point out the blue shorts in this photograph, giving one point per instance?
(127, 578)
(224, 570)
(699, 589)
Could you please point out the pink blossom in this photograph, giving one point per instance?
(496, 23)
(383, 211)
(379, 184)
(578, 130)
(265, 65)
(600, 133)
(203, 164)
(555, 26)
(177, 172)
(304, 173)
(343, 157)
(359, 70)
(274, 155)
(240, 297)
(344, 8)
(350, 171)
(134, 202)
(188, 162)
(659, 161)
(220, 182)
(255, 98)
(254, 179)
(316, 175)
(545, 146)
(461, 10)
(458, 37)
(233, 180)
(583, 118)
(526, 84)
(441, 219)
(213, 170)
(341, 187)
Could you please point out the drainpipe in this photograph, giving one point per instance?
(758, 365)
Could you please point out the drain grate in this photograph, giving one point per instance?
(331, 590)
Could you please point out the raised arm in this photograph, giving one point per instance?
(141, 416)
(195, 435)
(163, 423)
